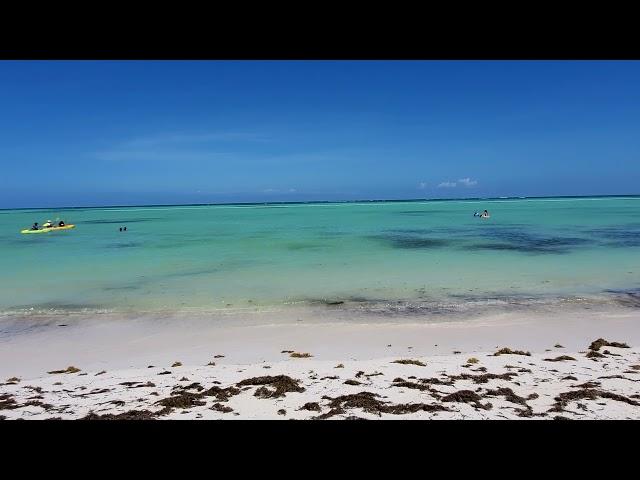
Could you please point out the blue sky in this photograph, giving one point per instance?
(136, 132)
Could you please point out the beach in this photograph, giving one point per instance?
(380, 310)
(110, 369)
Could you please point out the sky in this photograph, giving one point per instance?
(85, 133)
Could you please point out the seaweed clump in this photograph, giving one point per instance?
(221, 408)
(559, 359)
(281, 384)
(508, 351)
(563, 399)
(7, 402)
(369, 403)
(130, 415)
(467, 396)
(311, 406)
(69, 369)
(601, 342)
(410, 362)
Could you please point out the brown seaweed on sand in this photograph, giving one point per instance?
(508, 351)
(192, 386)
(368, 402)
(281, 383)
(593, 354)
(412, 385)
(352, 382)
(183, 400)
(311, 406)
(601, 342)
(481, 378)
(559, 359)
(410, 362)
(130, 415)
(508, 395)
(221, 394)
(221, 408)
(7, 402)
(69, 369)
(300, 355)
(563, 399)
(466, 396)
(137, 384)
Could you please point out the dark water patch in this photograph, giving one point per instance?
(305, 246)
(521, 241)
(106, 221)
(411, 241)
(123, 288)
(618, 236)
(409, 231)
(125, 245)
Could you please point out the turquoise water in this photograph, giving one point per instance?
(236, 256)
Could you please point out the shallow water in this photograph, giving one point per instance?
(398, 255)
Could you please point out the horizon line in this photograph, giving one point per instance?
(322, 201)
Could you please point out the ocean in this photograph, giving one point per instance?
(387, 257)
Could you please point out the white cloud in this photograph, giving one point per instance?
(447, 185)
(422, 185)
(467, 182)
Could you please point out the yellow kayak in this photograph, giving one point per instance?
(49, 229)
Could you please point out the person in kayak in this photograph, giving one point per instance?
(47, 224)
(35, 226)
(61, 223)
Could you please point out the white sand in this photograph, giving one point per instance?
(125, 349)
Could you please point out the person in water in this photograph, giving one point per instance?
(485, 214)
